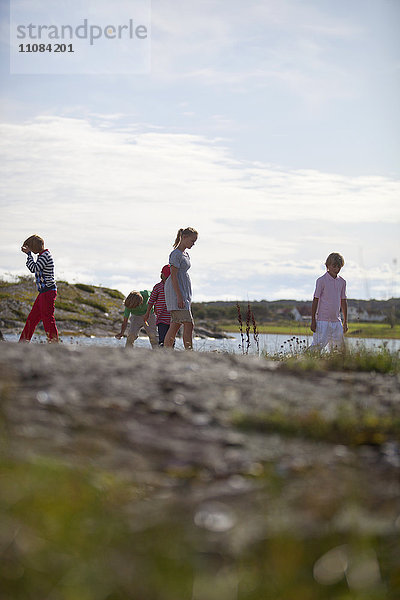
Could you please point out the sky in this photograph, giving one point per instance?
(270, 126)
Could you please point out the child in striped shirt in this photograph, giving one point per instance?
(157, 299)
(43, 307)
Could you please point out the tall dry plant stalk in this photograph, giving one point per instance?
(250, 321)
(240, 320)
(255, 332)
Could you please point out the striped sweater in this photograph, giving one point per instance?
(44, 271)
(157, 299)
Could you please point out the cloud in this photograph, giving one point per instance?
(109, 202)
(260, 44)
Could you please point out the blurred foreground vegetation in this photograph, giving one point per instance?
(76, 532)
(79, 534)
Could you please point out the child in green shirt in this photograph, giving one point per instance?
(136, 308)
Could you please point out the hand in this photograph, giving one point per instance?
(119, 335)
(345, 327)
(25, 249)
(181, 303)
(313, 325)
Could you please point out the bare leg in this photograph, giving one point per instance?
(171, 334)
(188, 336)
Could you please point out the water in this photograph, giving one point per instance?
(270, 343)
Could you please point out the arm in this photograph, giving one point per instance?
(39, 265)
(30, 263)
(175, 285)
(314, 307)
(152, 300)
(148, 311)
(343, 306)
(123, 327)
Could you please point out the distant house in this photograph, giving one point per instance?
(359, 314)
(284, 313)
(301, 313)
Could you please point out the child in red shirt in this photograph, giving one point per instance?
(157, 299)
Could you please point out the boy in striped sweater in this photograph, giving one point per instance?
(43, 307)
(157, 299)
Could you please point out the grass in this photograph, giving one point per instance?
(360, 359)
(85, 534)
(85, 288)
(93, 303)
(345, 429)
(67, 306)
(362, 330)
(114, 293)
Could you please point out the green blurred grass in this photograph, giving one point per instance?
(79, 534)
(353, 430)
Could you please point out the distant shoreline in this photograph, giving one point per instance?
(359, 330)
(83, 309)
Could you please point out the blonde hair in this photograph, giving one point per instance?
(133, 300)
(34, 243)
(182, 232)
(335, 259)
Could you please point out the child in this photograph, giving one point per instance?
(329, 298)
(157, 299)
(178, 289)
(136, 307)
(43, 307)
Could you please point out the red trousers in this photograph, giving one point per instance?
(42, 310)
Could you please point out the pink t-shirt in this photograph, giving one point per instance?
(330, 291)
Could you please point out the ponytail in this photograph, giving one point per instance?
(181, 232)
(178, 238)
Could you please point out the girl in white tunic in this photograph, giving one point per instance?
(178, 289)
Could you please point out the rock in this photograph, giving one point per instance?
(217, 335)
(171, 418)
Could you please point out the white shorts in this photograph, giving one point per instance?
(328, 332)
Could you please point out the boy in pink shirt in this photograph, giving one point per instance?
(329, 298)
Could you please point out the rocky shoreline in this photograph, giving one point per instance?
(81, 310)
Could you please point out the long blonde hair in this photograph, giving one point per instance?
(182, 232)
